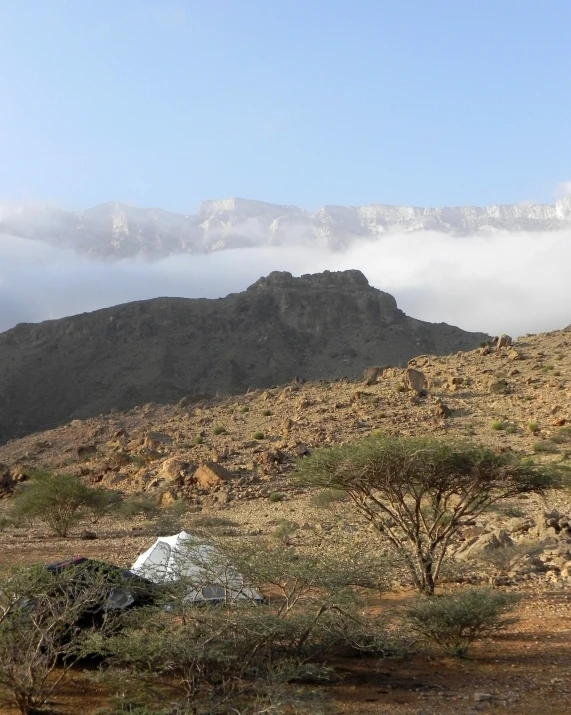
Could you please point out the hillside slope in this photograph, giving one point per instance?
(315, 327)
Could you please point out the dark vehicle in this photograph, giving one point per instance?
(118, 589)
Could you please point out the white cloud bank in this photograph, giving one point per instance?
(511, 282)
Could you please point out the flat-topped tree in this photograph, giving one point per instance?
(418, 492)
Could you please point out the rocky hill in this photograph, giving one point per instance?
(315, 327)
(114, 230)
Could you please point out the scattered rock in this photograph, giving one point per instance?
(483, 697)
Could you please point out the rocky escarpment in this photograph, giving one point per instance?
(114, 230)
(316, 326)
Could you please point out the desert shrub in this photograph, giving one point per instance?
(562, 435)
(267, 413)
(511, 429)
(327, 498)
(498, 425)
(454, 621)
(418, 492)
(284, 529)
(179, 508)
(166, 524)
(101, 503)
(544, 446)
(245, 409)
(235, 652)
(40, 640)
(60, 501)
(141, 505)
(258, 435)
(5, 522)
(276, 497)
(219, 430)
(210, 521)
(199, 439)
(533, 427)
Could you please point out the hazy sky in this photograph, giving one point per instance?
(306, 102)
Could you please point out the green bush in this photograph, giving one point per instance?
(563, 435)
(267, 413)
(141, 505)
(219, 430)
(245, 408)
(258, 435)
(454, 621)
(39, 636)
(498, 425)
(60, 501)
(544, 447)
(533, 427)
(101, 503)
(327, 498)
(276, 497)
(5, 522)
(199, 439)
(236, 653)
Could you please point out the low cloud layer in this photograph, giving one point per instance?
(514, 282)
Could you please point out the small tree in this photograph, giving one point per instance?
(418, 492)
(58, 500)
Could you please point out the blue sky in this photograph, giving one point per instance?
(168, 102)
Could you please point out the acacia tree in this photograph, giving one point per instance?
(61, 501)
(418, 492)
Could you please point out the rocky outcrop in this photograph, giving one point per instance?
(314, 327)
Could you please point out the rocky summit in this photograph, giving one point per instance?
(114, 230)
(321, 326)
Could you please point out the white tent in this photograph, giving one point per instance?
(199, 565)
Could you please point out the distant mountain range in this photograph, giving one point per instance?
(114, 230)
(318, 326)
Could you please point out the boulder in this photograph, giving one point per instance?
(210, 474)
(87, 535)
(502, 341)
(499, 538)
(372, 373)
(415, 379)
(157, 441)
(173, 469)
(86, 451)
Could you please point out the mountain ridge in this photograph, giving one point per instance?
(115, 230)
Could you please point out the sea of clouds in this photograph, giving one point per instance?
(510, 282)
